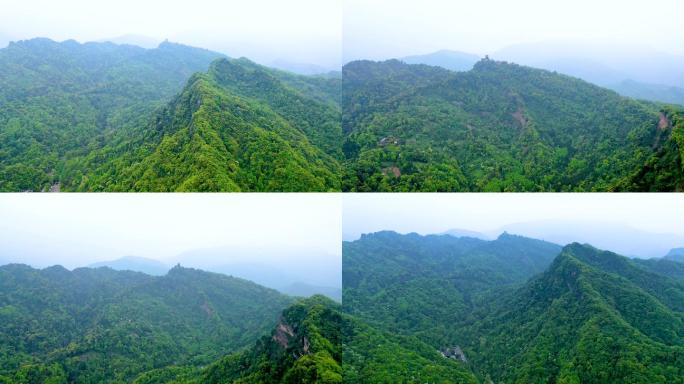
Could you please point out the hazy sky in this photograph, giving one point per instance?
(382, 29)
(306, 31)
(483, 212)
(78, 229)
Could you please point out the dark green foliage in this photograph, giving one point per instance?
(593, 317)
(102, 117)
(315, 342)
(590, 317)
(421, 285)
(676, 254)
(664, 170)
(498, 127)
(100, 325)
(374, 356)
(305, 347)
(667, 266)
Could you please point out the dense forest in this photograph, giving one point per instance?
(315, 341)
(417, 309)
(518, 310)
(500, 127)
(105, 326)
(106, 117)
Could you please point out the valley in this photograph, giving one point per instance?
(516, 309)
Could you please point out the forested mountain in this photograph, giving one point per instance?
(676, 254)
(663, 169)
(103, 117)
(569, 315)
(374, 355)
(419, 285)
(104, 326)
(500, 127)
(63, 100)
(238, 127)
(593, 317)
(305, 347)
(316, 342)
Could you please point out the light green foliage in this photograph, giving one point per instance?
(498, 127)
(664, 170)
(305, 347)
(101, 117)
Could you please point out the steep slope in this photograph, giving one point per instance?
(106, 117)
(514, 312)
(498, 127)
(669, 267)
(239, 127)
(305, 347)
(61, 100)
(675, 254)
(100, 325)
(423, 285)
(593, 317)
(315, 342)
(664, 169)
(372, 355)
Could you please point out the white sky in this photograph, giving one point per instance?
(78, 229)
(380, 29)
(483, 212)
(306, 31)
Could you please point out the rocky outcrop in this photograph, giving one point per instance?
(455, 353)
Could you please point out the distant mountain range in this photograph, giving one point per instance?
(657, 77)
(517, 309)
(615, 237)
(612, 236)
(307, 290)
(466, 233)
(138, 40)
(609, 63)
(134, 263)
(675, 254)
(452, 60)
(294, 280)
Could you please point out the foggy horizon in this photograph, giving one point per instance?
(392, 29)
(81, 229)
(632, 225)
(266, 31)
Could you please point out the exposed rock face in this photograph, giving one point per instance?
(283, 334)
(455, 353)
